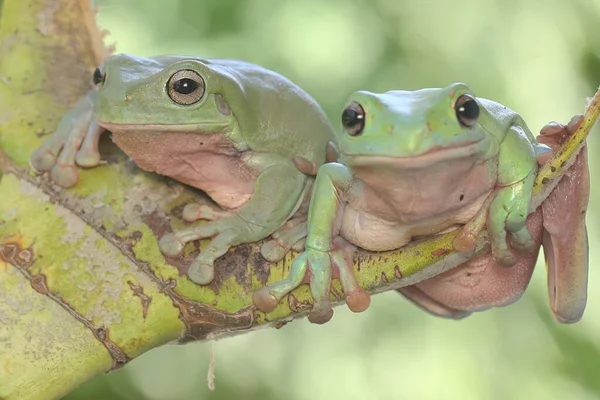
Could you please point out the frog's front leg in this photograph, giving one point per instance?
(507, 209)
(277, 192)
(325, 250)
(75, 141)
(565, 239)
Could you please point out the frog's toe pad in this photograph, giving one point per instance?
(171, 246)
(300, 245)
(272, 251)
(506, 260)
(202, 274)
(42, 160)
(87, 158)
(64, 175)
(192, 212)
(320, 316)
(358, 300)
(464, 242)
(264, 300)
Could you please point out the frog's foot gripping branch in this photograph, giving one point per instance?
(292, 235)
(225, 233)
(74, 142)
(317, 267)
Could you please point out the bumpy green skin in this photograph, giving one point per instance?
(246, 130)
(405, 133)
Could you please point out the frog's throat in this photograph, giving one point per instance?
(434, 155)
(205, 127)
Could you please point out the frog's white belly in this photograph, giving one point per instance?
(373, 233)
(399, 205)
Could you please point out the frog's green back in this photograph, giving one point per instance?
(275, 115)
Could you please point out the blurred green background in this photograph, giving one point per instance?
(539, 58)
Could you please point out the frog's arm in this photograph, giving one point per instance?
(508, 211)
(76, 139)
(278, 191)
(326, 209)
(565, 239)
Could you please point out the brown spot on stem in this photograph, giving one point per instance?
(384, 277)
(144, 298)
(440, 252)
(199, 319)
(337, 294)
(296, 306)
(397, 272)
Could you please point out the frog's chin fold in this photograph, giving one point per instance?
(434, 155)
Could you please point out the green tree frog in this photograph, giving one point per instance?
(558, 225)
(230, 128)
(413, 164)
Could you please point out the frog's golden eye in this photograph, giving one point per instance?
(467, 110)
(186, 87)
(98, 77)
(353, 119)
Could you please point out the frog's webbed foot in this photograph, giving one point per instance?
(75, 141)
(318, 266)
(290, 236)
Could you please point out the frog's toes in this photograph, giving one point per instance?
(42, 159)
(264, 300)
(202, 274)
(170, 245)
(285, 239)
(320, 316)
(358, 300)
(300, 245)
(505, 258)
(87, 158)
(192, 212)
(65, 176)
(464, 241)
(273, 251)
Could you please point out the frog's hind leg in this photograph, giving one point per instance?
(289, 236)
(565, 240)
(424, 302)
(278, 192)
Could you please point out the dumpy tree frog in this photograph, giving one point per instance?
(558, 225)
(413, 164)
(230, 128)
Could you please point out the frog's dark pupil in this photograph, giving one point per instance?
(185, 86)
(351, 118)
(98, 77)
(469, 110)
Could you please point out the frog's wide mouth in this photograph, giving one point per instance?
(203, 127)
(434, 155)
